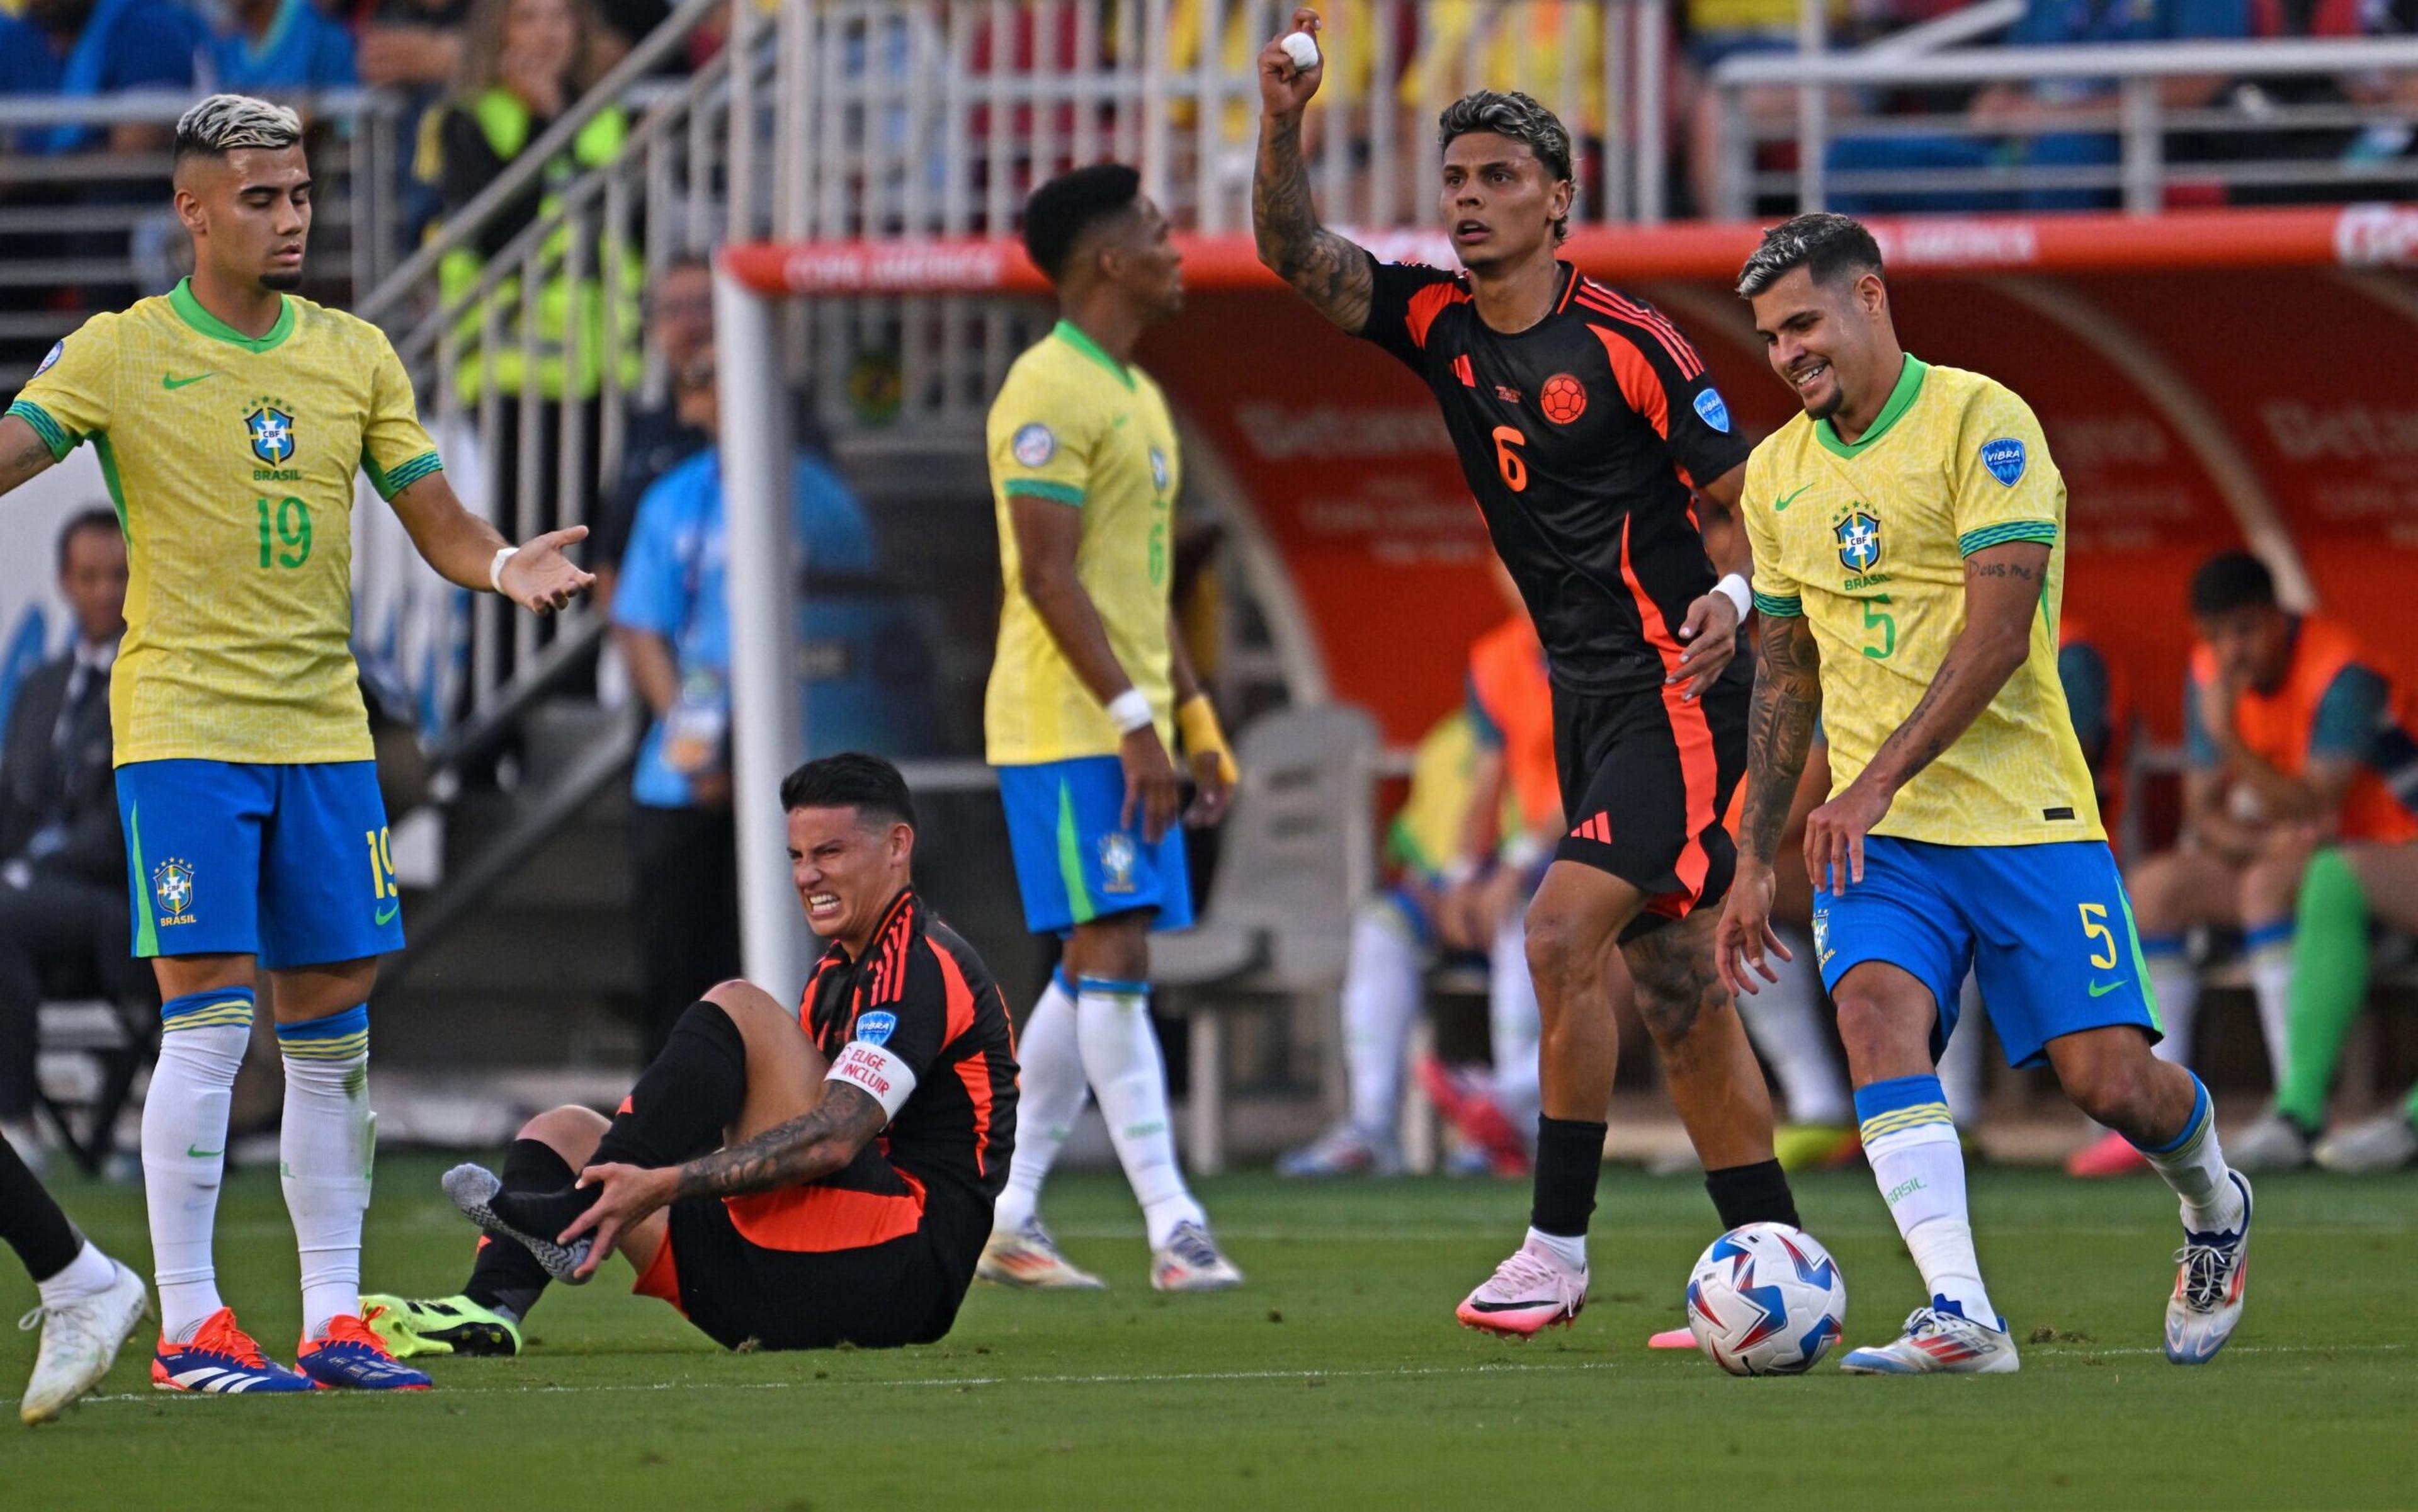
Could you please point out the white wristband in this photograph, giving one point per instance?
(1733, 587)
(496, 568)
(1130, 710)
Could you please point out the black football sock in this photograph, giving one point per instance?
(1752, 1194)
(506, 1278)
(1570, 1156)
(685, 1100)
(31, 1222)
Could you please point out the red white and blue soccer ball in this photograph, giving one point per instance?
(1766, 1300)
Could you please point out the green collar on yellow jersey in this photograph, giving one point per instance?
(1901, 399)
(189, 309)
(1072, 334)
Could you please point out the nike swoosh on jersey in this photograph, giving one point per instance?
(1780, 504)
(2099, 991)
(387, 914)
(169, 381)
(197, 1153)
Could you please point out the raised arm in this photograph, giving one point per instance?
(2002, 592)
(23, 451)
(1330, 271)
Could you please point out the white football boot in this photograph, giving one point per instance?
(2387, 1142)
(1938, 1341)
(1189, 1261)
(79, 1342)
(1028, 1258)
(1533, 1290)
(2212, 1277)
(2268, 1142)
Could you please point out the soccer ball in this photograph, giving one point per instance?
(1766, 1300)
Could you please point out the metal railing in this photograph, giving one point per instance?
(101, 221)
(662, 197)
(2240, 139)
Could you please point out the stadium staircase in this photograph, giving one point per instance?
(519, 925)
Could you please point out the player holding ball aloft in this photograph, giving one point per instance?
(1587, 429)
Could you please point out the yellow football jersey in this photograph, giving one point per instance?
(1075, 426)
(231, 462)
(1868, 543)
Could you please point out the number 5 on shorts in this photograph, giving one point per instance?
(2094, 928)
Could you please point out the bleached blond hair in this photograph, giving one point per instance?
(229, 123)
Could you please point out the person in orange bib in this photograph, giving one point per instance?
(2282, 719)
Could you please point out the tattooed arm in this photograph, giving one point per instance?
(1330, 271)
(1779, 731)
(803, 1150)
(23, 452)
(2002, 591)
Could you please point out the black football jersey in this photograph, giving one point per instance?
(920, 1008)
(1583, 438)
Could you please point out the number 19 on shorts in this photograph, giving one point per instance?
(382, 882)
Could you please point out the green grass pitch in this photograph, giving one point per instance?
(1337, 1380)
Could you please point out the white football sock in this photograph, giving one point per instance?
(184, 1148)
(2177, 989)
(1516, 1027)
(1122, 1060)
(2271, 982)
(1050, 1094)
(2194, 1166)
(1784, 1021)
(324, 1153)
(1570, 1249)
(1910, 1142)
(1381, 1001)
(89, 1274)
(1960, 1063)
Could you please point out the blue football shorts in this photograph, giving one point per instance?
(1075, 862)
(288, 863)
(2046, 931)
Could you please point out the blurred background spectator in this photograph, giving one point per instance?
(63, 920)
(279, 47)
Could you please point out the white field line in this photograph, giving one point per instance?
(1197, 1377)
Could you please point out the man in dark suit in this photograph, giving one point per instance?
(62, 919)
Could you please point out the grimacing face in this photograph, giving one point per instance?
(847, 865)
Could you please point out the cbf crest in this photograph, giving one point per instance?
(1116, 861)
(172, 888)
(272, 431)
(1859, 542)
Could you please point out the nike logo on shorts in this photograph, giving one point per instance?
(2103, 989)
(386, 915)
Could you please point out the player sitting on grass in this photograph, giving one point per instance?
(801, 1179)
(1909, 550)
(231, 419)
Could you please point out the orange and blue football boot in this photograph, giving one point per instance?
(349, 1355)
(220, 1359)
